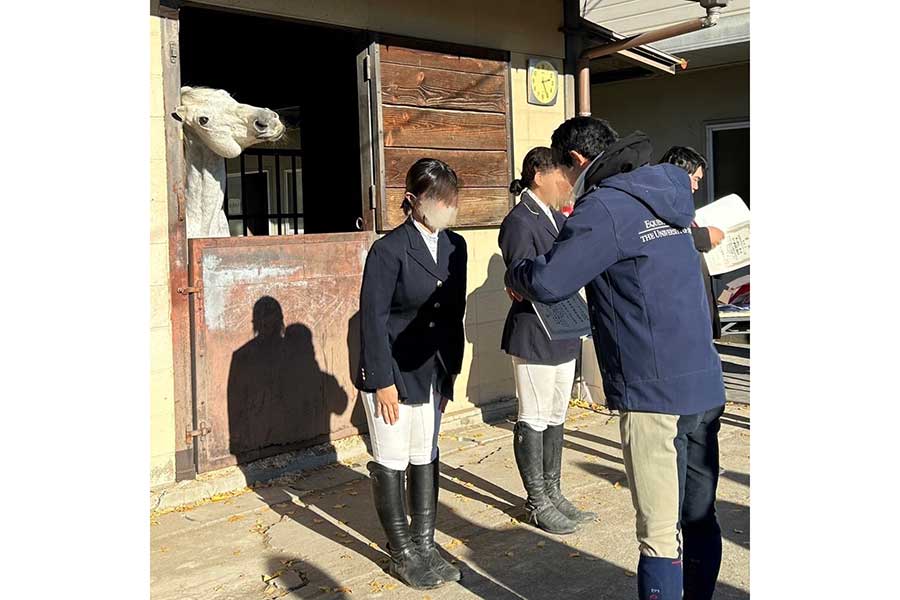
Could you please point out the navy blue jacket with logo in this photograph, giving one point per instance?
(629, 243)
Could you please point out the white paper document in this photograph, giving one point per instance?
(732, 216)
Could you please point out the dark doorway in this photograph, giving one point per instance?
(731, 162)
(308, 182)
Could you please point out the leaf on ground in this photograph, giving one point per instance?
(510, 553)
(574, 554)
(235, 518)
(236, 552)
(340, 506)
(318, 521)
(353, 493)
(541, 544)
(630, 573)
(452, 544)
(163, 549)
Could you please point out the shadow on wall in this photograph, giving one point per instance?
(491, 374)
(279, 398)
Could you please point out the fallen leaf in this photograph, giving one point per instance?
(236, 552)
(318, 521)
(163, 549)
(509, 553)
(541, 544)
(340, 506)
(574, 554)
(630, 573)
(353, 493)
(235, 518)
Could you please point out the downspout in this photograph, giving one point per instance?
(713, 8)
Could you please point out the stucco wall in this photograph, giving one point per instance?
(675, 110)
(514, 25)
(162, 409)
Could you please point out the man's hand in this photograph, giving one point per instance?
(513, 296)
(387, 404)
(715, 236)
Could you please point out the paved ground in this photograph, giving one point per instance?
(316, 535)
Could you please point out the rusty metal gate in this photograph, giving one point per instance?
(275, 342)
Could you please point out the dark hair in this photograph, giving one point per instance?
(429, 177)
(685, 157)
(586, 135)
(538, 159)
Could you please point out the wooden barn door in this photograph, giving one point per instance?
(456, 108)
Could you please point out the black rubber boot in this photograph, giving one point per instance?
(406, 564)
(553, 446)
(528, 446)
(424, 483)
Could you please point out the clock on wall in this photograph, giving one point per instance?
(543, 84)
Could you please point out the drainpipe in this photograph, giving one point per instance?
(713, 8)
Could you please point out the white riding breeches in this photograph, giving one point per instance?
(544, 392)
(412, 439)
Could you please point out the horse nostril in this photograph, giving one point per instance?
(260, 125)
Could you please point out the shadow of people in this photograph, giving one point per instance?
(279, 398)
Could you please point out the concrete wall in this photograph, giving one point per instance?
(525, 28)
(162, 408)
(674, 110)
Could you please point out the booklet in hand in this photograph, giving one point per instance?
(564, 320)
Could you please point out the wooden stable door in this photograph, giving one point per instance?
(417, 103)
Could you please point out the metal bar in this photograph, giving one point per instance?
(259, 170)
(243, 195)
(647, 37)
(278, 189)
(294, 191)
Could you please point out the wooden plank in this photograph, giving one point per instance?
(178, 250)
(439, 88)
(478, 207)
(475, 168)
(423, 58)
(407, 127)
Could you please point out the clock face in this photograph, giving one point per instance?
(543, 82)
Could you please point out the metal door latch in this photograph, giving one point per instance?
(184, 291)
(192, 433)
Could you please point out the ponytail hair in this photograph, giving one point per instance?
(429, 178)
(538, 160)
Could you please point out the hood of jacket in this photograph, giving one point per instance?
(665, 189)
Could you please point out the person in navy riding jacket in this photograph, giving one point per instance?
(629, 243)
(411, 346)
(544, 369)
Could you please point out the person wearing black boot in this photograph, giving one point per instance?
(629, 244)
(544, 369)
(411, 346)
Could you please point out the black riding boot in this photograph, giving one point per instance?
(553, 445)
(528, 447)
(424, 483)
(406, 564)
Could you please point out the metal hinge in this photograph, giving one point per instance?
(367, 70)
(192, 433)
(184, 291)
(173, 53)
(372, 196)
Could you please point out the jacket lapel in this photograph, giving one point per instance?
(540, 215)
(418, 251)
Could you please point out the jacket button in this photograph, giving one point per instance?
(440, 283)
(437, 304)
(431, 325)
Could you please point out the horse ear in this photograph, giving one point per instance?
(185, 89)
(179, 114)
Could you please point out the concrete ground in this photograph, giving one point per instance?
(315, 535)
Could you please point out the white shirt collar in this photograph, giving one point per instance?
(425, 232)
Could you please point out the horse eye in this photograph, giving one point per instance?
(203, 120)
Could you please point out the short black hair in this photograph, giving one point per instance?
(586, 135)
(538, 160)
(431, 178)
(685, 157)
